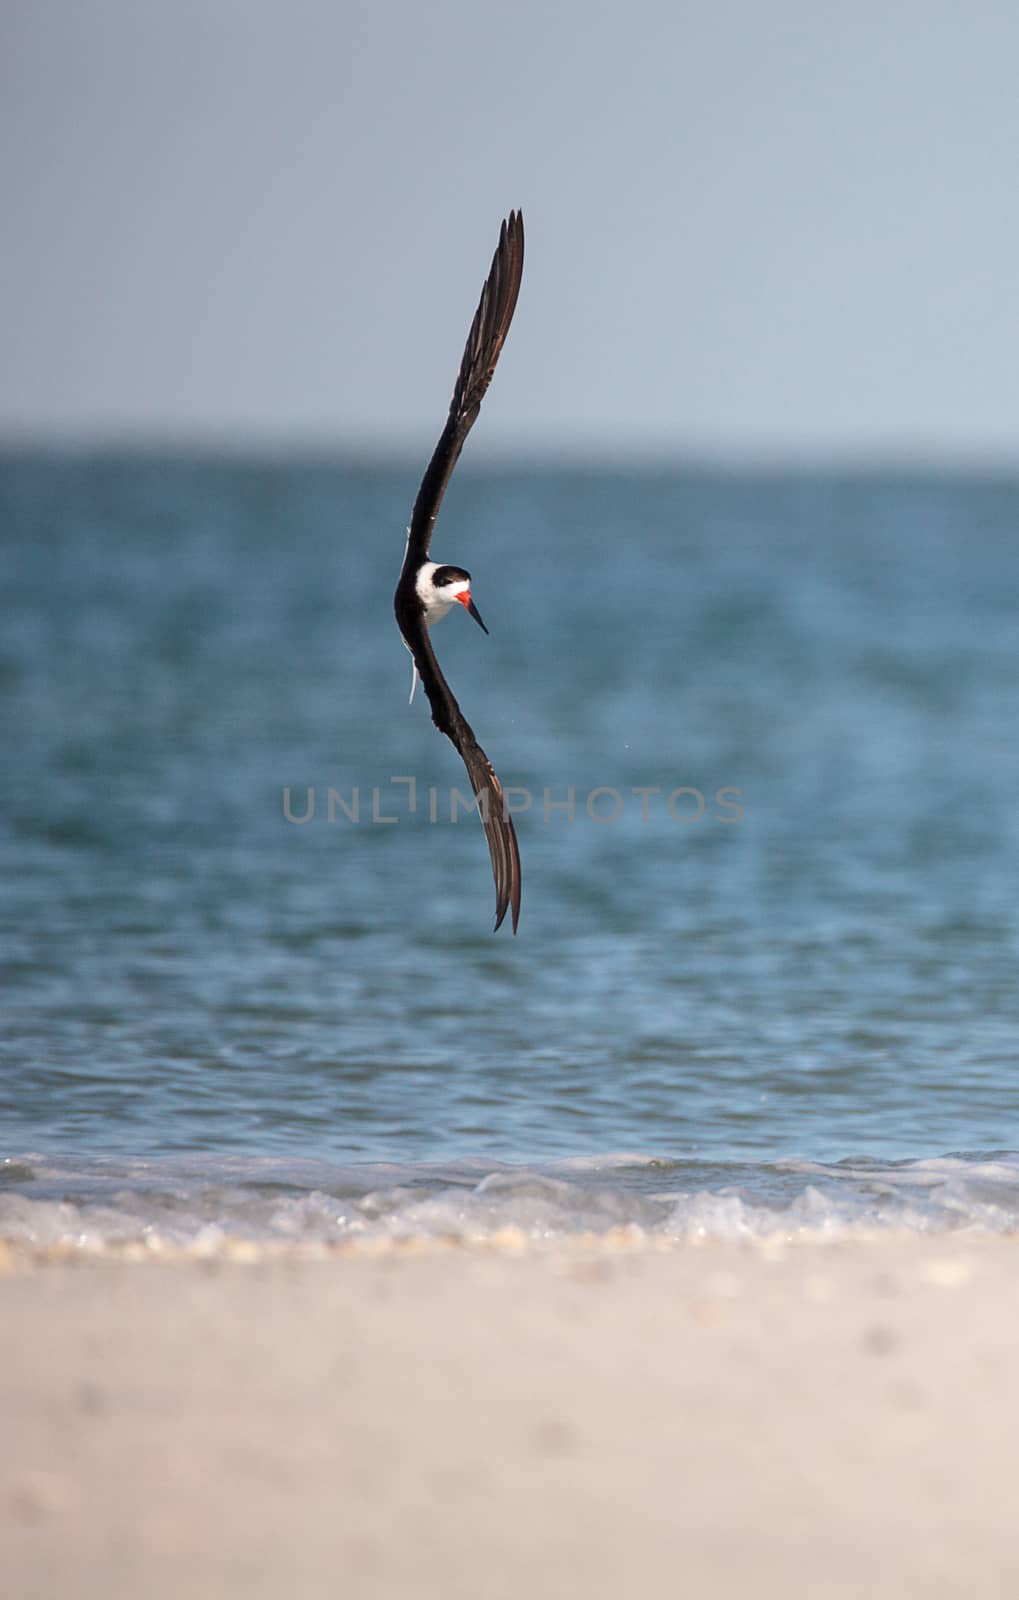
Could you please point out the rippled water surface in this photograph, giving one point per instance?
(796, 972)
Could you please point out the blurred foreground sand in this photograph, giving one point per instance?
(815, 1420)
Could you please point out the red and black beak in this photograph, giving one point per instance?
(469, 606)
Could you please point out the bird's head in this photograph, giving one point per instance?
(442, 587)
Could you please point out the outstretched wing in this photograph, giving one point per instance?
(450, 720)
(484, 342)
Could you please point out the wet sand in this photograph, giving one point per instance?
(812, 1420)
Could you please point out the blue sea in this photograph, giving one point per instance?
(760, 729)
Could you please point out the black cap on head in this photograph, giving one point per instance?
(444, 575)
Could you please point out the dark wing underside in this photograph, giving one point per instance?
(484, 342)
(450, 720)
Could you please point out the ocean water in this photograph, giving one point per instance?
(765, 978)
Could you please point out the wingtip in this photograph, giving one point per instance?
(508, 899)
(510, 904)
(514, 226)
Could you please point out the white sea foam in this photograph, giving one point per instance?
(203, 1204)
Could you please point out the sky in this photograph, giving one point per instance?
(780, 231)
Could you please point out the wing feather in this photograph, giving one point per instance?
(481, 352)
(497, 823)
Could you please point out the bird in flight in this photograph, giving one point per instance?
(428, 589)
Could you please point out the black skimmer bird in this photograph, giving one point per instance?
(428, 589)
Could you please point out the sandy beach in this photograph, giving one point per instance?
(820, 1419)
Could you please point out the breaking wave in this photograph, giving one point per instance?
(207, 1204)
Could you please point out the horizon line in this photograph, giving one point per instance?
(281, 447)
